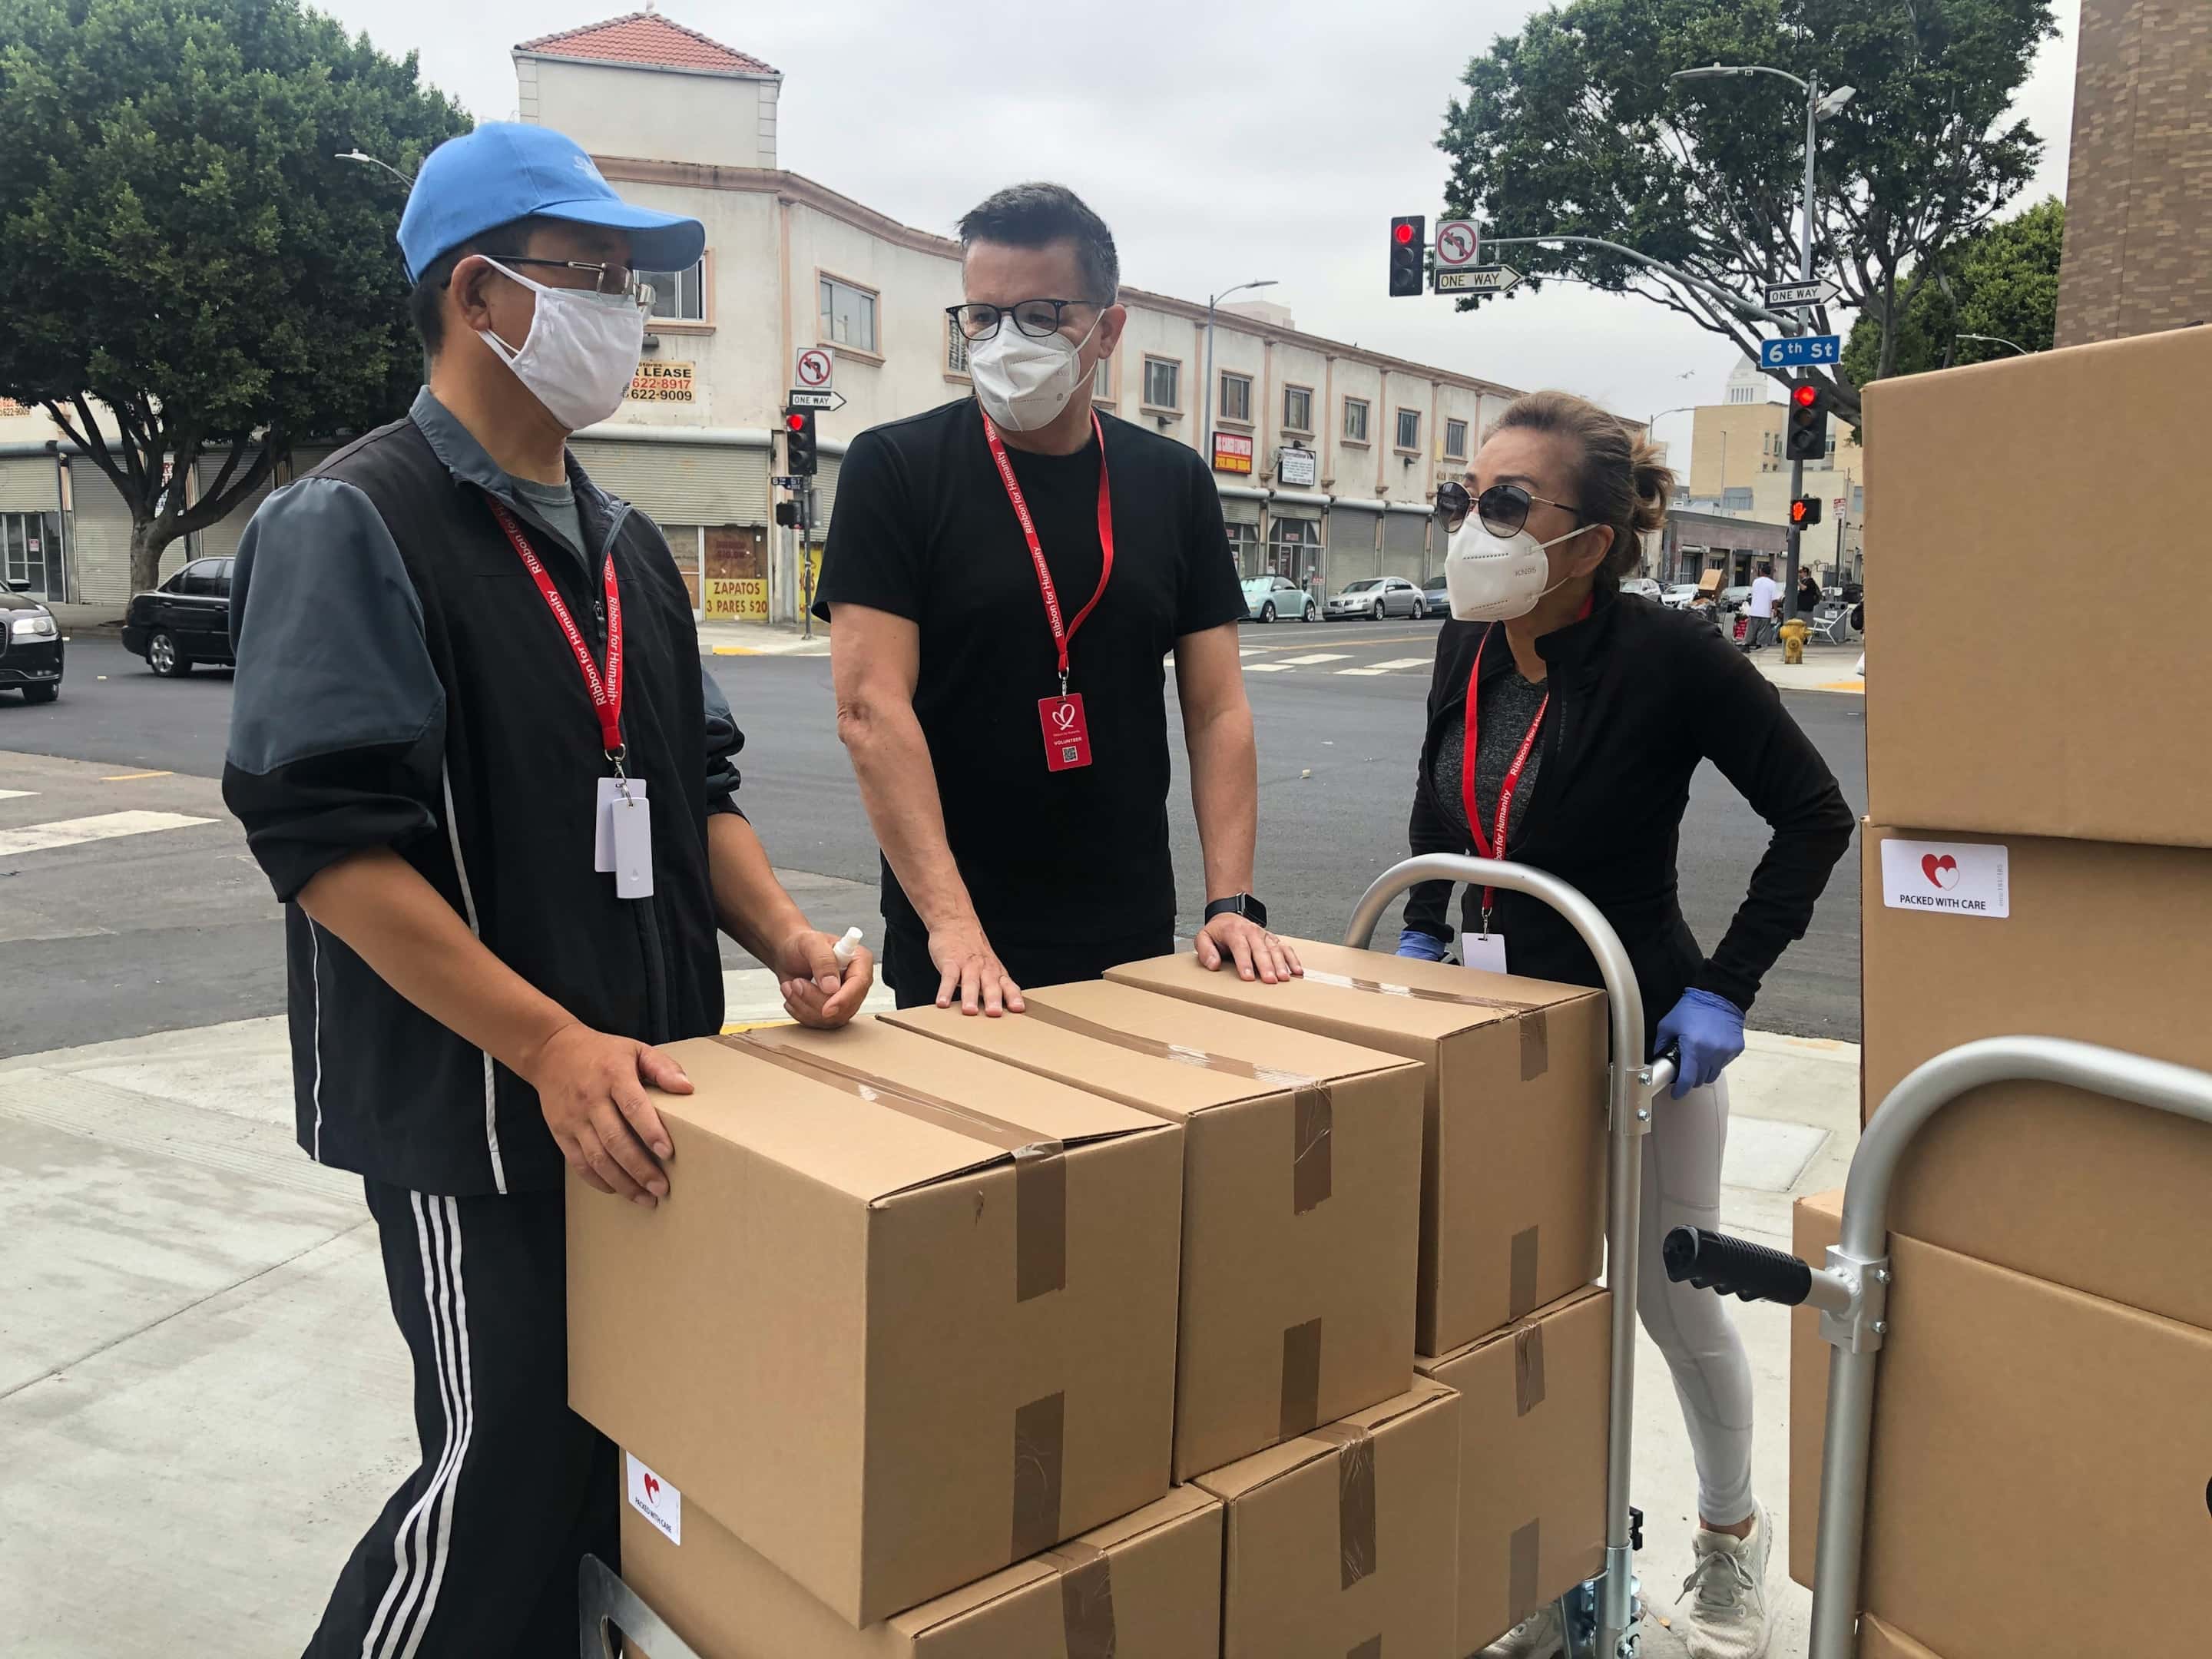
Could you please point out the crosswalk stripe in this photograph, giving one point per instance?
(1362, 671)
(1267, 668)
(18, 794)
(1404, 662)
(101, 826)
(1316, 657)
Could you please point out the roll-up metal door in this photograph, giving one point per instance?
(825, 493)
(1351, 555)
(1405, 543)
(220, 539)
(28, 484)
(681, 484)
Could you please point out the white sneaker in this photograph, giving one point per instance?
(1536, 1637)
(1728, 1618)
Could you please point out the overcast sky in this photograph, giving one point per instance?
(1221, 141)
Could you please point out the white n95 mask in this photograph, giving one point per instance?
(582, 352)
(1497, 578)
(1025, 383)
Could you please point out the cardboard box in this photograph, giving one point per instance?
(1513, 1165)
(1532, 1441)
(2083, 710)
(2040, 1464)
(884, 1347)
(1147, 1585)
(2102, 943)
(1879, 1641)
(1343, 1544)
(1300, 1198)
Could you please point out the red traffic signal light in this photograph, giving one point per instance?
(1804, 394)
(798, 438)
(1805, 430)
(1403, 230)
(795, 420)
(1408, 252)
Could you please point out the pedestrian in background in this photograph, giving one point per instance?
(1554, 738)
(1002, 576)
(1809, 592)
(1766, 594)
(476, 753)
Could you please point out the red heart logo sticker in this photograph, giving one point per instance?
(652, 1487)
(1942, 873)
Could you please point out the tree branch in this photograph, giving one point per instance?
(217, 503)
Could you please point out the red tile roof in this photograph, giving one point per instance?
(645, 37)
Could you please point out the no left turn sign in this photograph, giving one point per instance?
(812, 370)
(1457, 243)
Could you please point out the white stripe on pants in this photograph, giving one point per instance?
(1693, 1327)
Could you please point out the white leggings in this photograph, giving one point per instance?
(1691, 1328)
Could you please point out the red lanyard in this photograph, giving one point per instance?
(1062, 632)
(606, 693)
(1495, 840)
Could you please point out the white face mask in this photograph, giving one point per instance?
(1025, 383)
(1497, 578)
(581, 354)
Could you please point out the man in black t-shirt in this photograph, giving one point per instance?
(999, 670)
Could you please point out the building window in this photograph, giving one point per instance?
(679, 296)
(1409, 429)
(1162, 383)
(1237, 397)
(848, 315)
(956, 349)
(1101, 381)
(1297, 408)
(1743, 394)
(1355, 420)
(1455, 440)
(1735, 499)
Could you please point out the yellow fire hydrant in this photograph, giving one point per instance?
(1795, 632)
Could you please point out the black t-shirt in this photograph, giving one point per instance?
(923, 530)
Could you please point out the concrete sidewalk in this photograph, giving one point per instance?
(1826, 668)
(727, 639)
(204, 1401)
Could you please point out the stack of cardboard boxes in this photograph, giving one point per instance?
(2038, 861)
(1094, 1331)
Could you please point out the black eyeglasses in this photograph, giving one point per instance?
(1035, 318)
(1502, 508)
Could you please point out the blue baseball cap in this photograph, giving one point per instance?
(505, 171)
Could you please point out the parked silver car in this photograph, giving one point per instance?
(1378, 597)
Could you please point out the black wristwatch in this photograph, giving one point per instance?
(1240, 904)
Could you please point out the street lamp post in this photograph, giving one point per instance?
(1651, 427)
(1206, 424)
(1817, 110)
(1995, 339)
(370, 160)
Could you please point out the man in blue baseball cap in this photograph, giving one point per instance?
(477, 754)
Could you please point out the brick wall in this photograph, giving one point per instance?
(2138, 255)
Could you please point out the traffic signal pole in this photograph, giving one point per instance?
(1804, 275)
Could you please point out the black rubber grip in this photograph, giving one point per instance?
(1734, 1267)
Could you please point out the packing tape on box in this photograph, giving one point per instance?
(1523, 1551)
(1040, 1162)
(1313, 1114)
(1086, 1599)
(1535, 1034)
(1355, 1498)
(1301, 1400)
(1521, 1273)
(1528, 1368)
(1039, 1435)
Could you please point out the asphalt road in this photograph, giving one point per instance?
(175, 927)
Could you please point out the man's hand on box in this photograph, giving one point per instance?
(817, 992)
(590, 1086)
(971, 973)
(1257, 953)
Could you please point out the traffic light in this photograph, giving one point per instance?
(1807, 436)
(1409, 245)
(798, 442)
(1805, 512)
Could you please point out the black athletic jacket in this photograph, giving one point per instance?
(1639, 695)
(402, 683)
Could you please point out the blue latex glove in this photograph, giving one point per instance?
(1413, 943)
(1707, 1031)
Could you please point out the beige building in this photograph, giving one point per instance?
(1325, 454)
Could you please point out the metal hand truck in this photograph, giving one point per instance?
(1852, 1289)
(606, 1600)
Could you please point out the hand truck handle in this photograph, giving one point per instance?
(1734, 1267)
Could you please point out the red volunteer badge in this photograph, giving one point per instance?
(1066, 732)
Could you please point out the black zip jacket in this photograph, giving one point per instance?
(402, 683)
(1639, 695)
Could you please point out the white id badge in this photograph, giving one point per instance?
(603, 821)
(632, 845)
(1486, 951)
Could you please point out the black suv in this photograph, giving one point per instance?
(183, 620)
(30, 647)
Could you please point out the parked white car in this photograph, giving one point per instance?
(1642, 587)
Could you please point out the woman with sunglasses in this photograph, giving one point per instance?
(1565, 720)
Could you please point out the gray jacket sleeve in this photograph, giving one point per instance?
(724, 741)
(338, 715)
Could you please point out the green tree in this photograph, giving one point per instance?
(183, 246)
(2000, 282)
(1572, 127)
